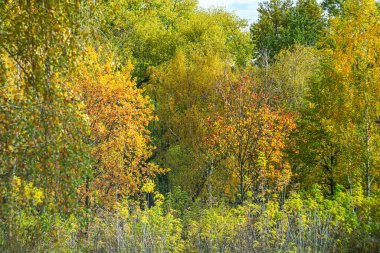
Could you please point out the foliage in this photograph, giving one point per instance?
(149, 33)
(282, 24)
(252, 135)
(307, 224)
(135, 229)
(342, 108)
(119, 116)
(265, 140)
(41, 121)
(290, 76)
(185, 93)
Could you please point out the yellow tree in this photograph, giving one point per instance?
(186, 95)
(119, 116)
(40, 120)
(340, 138)
(291, 73)
(355, 44)
(253, 133)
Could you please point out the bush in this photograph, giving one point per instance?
(132, 229)
(303, 223)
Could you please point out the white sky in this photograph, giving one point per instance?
(243, 8)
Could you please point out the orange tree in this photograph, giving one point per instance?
(252, 133)
(119, 116)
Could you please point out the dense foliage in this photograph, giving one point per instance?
(159, 126)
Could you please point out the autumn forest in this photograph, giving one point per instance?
(161, 126)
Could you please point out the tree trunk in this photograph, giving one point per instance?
(367, 159)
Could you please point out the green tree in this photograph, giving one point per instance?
(305, 23)
(148, 33)
(282, 24)
(267, 32)
(41, 120)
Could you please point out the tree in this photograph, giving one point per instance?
(149, 33)
(317, 151)
(333, 7)
(185, 93)
(40, 119)
(268, 31)
(291, 73)
(253, 134)
(119, 116)
(355, 41)
(343, 106)
(282, 24)
(305, 23)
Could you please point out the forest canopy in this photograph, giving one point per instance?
(160, 126)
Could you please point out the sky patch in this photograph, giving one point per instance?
(246, 9)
